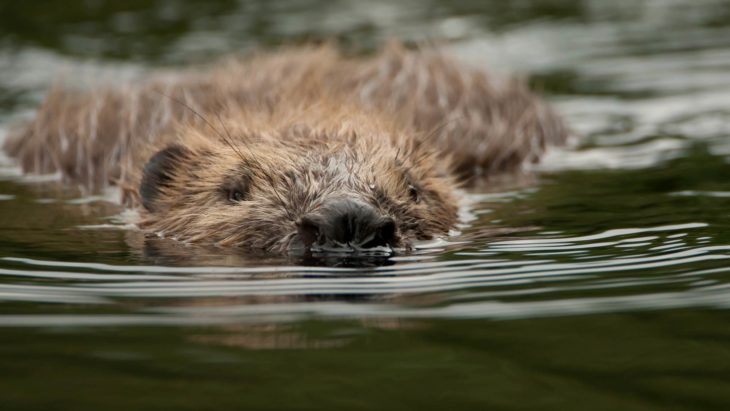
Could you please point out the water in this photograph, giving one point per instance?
(603, 279)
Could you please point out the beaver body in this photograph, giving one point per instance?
(299, 149)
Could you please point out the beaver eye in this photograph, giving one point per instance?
(413, 192)
(235, 196)
(235, 190)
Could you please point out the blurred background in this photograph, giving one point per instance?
(613, 293)
(640, 62)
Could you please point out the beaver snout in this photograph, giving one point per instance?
(347, 223)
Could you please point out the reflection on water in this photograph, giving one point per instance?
(603, 278)
(497, 281)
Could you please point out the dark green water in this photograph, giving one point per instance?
(604, 283)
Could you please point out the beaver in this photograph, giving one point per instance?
(300, 149)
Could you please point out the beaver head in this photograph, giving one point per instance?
(298, 188)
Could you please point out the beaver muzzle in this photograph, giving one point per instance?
(346, 224)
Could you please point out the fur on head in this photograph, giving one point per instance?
(257, 187)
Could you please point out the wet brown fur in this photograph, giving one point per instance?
(293, 129)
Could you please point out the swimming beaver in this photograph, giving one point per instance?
(300, 149)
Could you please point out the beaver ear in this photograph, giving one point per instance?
(158, 173)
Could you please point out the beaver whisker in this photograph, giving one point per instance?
(192, 110)
(229, 141)
(230, 144)
(436, 129)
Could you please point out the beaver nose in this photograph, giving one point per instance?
(347, 222)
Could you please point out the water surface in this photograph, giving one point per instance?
(603, 278)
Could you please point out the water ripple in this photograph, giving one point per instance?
(709, 297)
(469, 288)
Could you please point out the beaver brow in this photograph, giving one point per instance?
(268, 177)
(253, 158)
(192, 110)
(229, 142)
